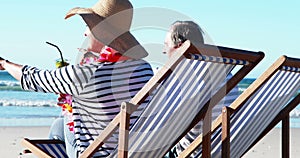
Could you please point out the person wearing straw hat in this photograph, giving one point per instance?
(112, 72)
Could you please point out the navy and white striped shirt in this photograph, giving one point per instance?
(97, 90)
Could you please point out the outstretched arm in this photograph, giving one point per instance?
(12, 68)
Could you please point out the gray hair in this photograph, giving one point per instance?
(186, 30)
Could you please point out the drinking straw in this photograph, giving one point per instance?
(61, 56)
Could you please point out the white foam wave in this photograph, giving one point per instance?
(9, 83)
(37, 103)
(295, 113)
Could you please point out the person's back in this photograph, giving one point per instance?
(100, 99)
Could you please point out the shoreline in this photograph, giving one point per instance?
(268, 147)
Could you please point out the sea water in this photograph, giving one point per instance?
(22, 108)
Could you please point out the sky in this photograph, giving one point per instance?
(268, 26)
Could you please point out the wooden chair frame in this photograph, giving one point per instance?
(36, 150)
(224, 119)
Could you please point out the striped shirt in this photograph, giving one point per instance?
(197, 130)
(97, 90)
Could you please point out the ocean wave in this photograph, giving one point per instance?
(37, 103)
(10, 86)
(295, 113)
(9, 83)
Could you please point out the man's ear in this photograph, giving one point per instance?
(178, 45)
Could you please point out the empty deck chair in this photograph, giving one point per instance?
(267, 101)
(180, 89)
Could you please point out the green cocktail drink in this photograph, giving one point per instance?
(59, 63)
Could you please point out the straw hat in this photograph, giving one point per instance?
(109, 22)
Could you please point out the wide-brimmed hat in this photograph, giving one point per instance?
(109, 22)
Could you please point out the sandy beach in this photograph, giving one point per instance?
(268, 147)
(10, 137)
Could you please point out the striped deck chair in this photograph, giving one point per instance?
(255, 112)
(182, 88)
(46, 148)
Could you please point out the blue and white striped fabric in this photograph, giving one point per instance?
(174, 105)
(255, 115)
(218, 59)
(197, 129)
(55, 150)
(289, 68)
